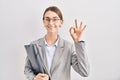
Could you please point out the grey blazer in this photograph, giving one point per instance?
(66, 55)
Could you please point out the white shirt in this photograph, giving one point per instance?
(50, 50)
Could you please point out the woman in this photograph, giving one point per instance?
(51, 57)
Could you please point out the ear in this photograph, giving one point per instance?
(61, 21)
(43, 23)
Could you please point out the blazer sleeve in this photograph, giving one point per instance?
(28, 70)
(33, 64)
(79, 59)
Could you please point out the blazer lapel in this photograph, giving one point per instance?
(57, 55)
(42, 54)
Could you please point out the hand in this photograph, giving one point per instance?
(41, 76)
(76, 32)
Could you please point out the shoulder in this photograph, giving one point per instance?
(66, 43)
(37, 41)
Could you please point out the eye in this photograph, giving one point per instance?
(47, 19)
(55, 19)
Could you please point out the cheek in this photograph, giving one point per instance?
(45, 25)
(60, 24)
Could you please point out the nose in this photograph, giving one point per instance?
(51, 22)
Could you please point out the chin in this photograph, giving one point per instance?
(52, 31)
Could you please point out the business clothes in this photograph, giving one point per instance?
(65, 56)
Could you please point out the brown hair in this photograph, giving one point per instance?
(54, 9)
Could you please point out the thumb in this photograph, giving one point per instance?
(71, 30)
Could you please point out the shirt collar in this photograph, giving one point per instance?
(55, 44)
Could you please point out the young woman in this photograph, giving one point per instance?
(51, 57)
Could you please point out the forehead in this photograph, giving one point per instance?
(51, 14)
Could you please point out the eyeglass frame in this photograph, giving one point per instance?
(54, 19)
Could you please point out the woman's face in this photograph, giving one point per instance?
(52, 22)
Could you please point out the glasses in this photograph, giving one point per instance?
(54, 20)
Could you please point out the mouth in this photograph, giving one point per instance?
(51, 27)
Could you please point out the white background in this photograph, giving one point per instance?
(21, 23)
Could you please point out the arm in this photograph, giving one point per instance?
(31, 70)
(28, 70)
(79, 59)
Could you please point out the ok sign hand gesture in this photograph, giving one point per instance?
(76, 32)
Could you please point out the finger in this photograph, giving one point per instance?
(80, 25)
(37, 78)
(45, 75)
(34, 78)
(84, 28)
(71, 30)
(41, 75)
(76, 23)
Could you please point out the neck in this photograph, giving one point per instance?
(51, 38)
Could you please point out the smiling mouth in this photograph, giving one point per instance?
(51, 27)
